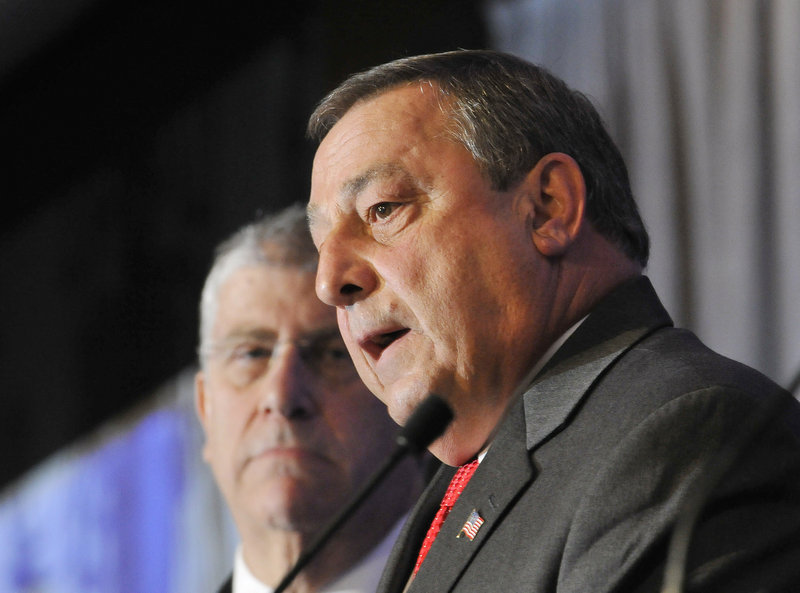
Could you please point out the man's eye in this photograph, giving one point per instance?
(252, 352)
(336, 354)
(323, 353)
(330, 361)
(382, 210)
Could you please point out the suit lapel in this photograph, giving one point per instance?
(622, 319)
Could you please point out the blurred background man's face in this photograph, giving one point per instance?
(291, 430)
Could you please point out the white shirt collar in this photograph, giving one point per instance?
(243, 579)
(551, 351)
(361, 578)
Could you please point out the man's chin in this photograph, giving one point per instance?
(403, 397)
(443, 449)
(293, 509)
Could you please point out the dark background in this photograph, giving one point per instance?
(135, 136)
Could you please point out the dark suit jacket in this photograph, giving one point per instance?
(588, 471)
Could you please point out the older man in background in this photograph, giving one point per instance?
(291, 431)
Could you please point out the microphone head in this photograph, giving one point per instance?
(426, 423)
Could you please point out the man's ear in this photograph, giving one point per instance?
(202, 406)
(557, 192)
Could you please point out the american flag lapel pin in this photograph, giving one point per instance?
(470, 528)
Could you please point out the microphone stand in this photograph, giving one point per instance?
(340, 518)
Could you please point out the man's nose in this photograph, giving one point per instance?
(288, 389)
(344, 275)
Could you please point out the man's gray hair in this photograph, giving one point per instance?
(509, 113)
(279, 239)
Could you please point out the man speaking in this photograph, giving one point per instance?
(479, 239)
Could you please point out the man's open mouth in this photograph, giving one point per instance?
(377, 343)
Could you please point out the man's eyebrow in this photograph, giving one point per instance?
(266, 335)
(354, 186)
(249, 333)
(236, 336)
(322, 333)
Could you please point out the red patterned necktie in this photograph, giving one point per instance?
(460, 479)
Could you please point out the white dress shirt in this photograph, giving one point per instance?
(361, 578)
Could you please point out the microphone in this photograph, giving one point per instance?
(426, 423)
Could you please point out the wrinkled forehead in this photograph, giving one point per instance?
(373, 141)
(408, 110)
